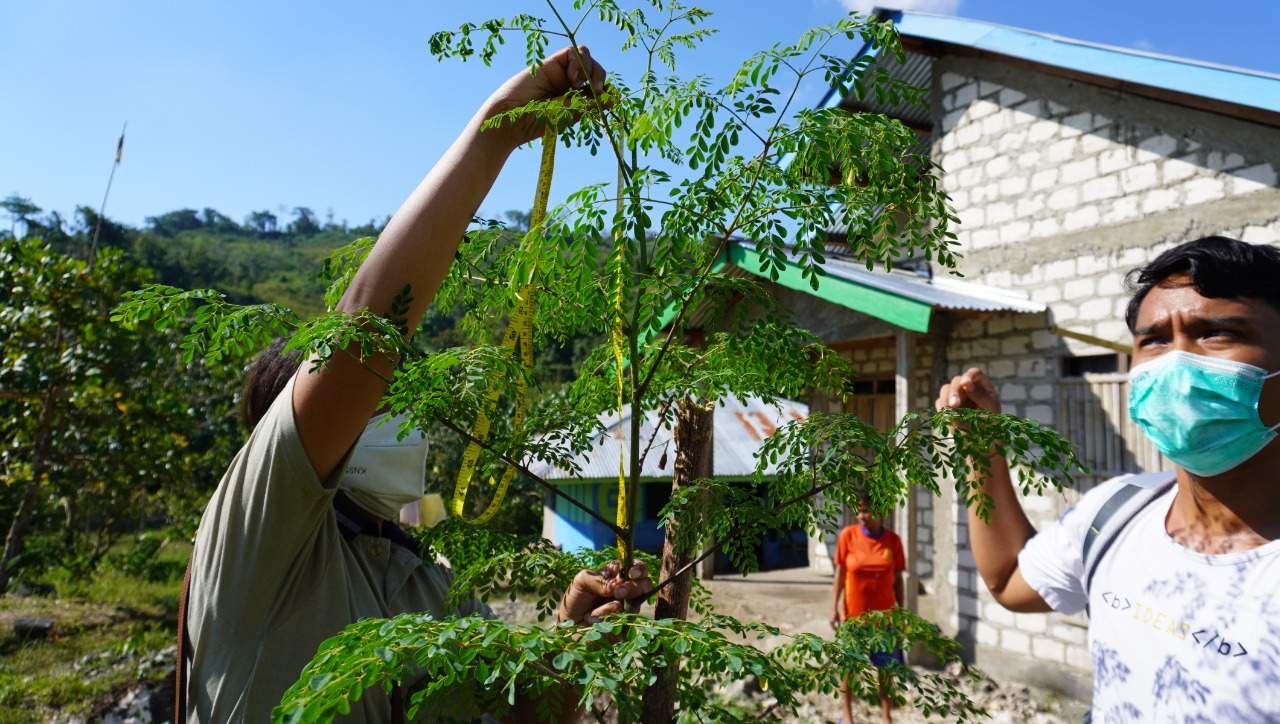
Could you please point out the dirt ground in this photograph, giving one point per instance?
(799, 601)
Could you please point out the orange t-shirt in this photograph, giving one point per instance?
(870, 566)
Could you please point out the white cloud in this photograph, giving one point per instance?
(1143, 44)
(945, 7)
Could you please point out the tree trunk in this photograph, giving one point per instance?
(13, 543)
(694, 460)
(68, 523)
(16, 539)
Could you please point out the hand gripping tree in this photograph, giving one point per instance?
(640, 261)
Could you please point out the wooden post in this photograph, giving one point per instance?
(904, 523)
(707, 568)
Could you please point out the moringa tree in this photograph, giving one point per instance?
(639, 261)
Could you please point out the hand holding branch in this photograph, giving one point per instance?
(596, 594)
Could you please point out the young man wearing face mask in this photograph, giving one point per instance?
(1180, 572)
(299, 539)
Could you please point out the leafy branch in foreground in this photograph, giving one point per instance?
(854, 458)
(493, 565)
(826, 463)
(456, 668)
(900, 630)
(217, 328)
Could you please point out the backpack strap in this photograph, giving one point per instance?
(354, 520)
(184, 649)
(1119, 510)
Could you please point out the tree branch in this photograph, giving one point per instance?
(721, 540)
(450, 424)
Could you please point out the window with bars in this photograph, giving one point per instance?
(1093, 413)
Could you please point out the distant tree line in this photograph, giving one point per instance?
(265, 258)
(260, 224)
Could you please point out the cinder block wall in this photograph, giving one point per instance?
(1062, 187)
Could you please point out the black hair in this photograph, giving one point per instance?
(267, 375)
(1219, 267)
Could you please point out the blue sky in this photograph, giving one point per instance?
(243, 105)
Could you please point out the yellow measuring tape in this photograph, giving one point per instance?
(518, 337)
(617, 337)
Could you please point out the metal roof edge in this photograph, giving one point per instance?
(898, 298)
(1238, 86)
(939, 291)
(949, 282)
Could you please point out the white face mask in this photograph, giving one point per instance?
(383, 473)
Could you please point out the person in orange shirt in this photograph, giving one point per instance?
(869, 565)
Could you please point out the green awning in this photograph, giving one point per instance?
(897, 310)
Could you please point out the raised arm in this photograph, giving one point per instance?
(996, 544)
(416, 249)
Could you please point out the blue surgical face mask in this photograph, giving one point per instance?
(1201, 412)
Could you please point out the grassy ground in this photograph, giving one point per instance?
(109, 634)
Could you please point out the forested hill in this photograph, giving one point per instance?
(259, 260)
(264, 259)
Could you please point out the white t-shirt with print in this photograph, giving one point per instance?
(1175, 636)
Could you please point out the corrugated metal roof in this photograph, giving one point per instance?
(916, 71)
(1219, 82)
(740, 429)
(1178, 80)
(943, 292)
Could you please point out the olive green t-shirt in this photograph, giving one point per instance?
(272, 577)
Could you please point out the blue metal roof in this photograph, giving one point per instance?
(1237, 86)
